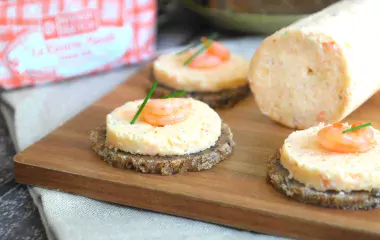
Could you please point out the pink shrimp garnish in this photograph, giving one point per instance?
(205, 61)
(161, 112)
(333, 139)
(218, 50)
(214, 55)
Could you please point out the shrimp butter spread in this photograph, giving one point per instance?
(317, 64)
(213, 70)
(325, 158)
(165, 127)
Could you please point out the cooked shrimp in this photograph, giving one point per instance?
(185, 55)
(161, 112)
(205, 61)
(333, 139)
(214, 55)
(218, 50)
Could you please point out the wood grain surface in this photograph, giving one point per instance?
(234, 193)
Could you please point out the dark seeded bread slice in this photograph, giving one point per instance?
(356, 200)
(223, 99)
(165, 165)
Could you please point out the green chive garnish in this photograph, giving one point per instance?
(203, 48)
(176, 94)
(357, 127)
(145, 101)
(196, 44)
(188, 48)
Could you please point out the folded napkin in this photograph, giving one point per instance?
(74, 217)
(34, 112)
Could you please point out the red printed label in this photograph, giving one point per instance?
(74, 23)
(44, 41)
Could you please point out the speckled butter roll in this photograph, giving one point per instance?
(321, 68)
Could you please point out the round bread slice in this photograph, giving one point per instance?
(278, 176)
(165, 165)
(222, 99)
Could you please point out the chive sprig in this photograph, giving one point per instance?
(203, 48)
(149, 95)
(357, 127)
(196, 44)
(176, 94)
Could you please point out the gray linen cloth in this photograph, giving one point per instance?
(34, 112)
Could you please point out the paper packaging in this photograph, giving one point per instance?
(51, 40)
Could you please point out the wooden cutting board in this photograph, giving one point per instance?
(234, 193)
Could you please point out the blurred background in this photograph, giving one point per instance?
(231, 17)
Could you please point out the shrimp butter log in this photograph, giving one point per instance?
(321, 68)
(169, 136)
(330, 165)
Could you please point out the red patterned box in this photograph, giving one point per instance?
(51, 40)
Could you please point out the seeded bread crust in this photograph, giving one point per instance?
(164, 165)
(278, 176)
(223, 99)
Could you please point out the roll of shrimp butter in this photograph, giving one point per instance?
(321, 68)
